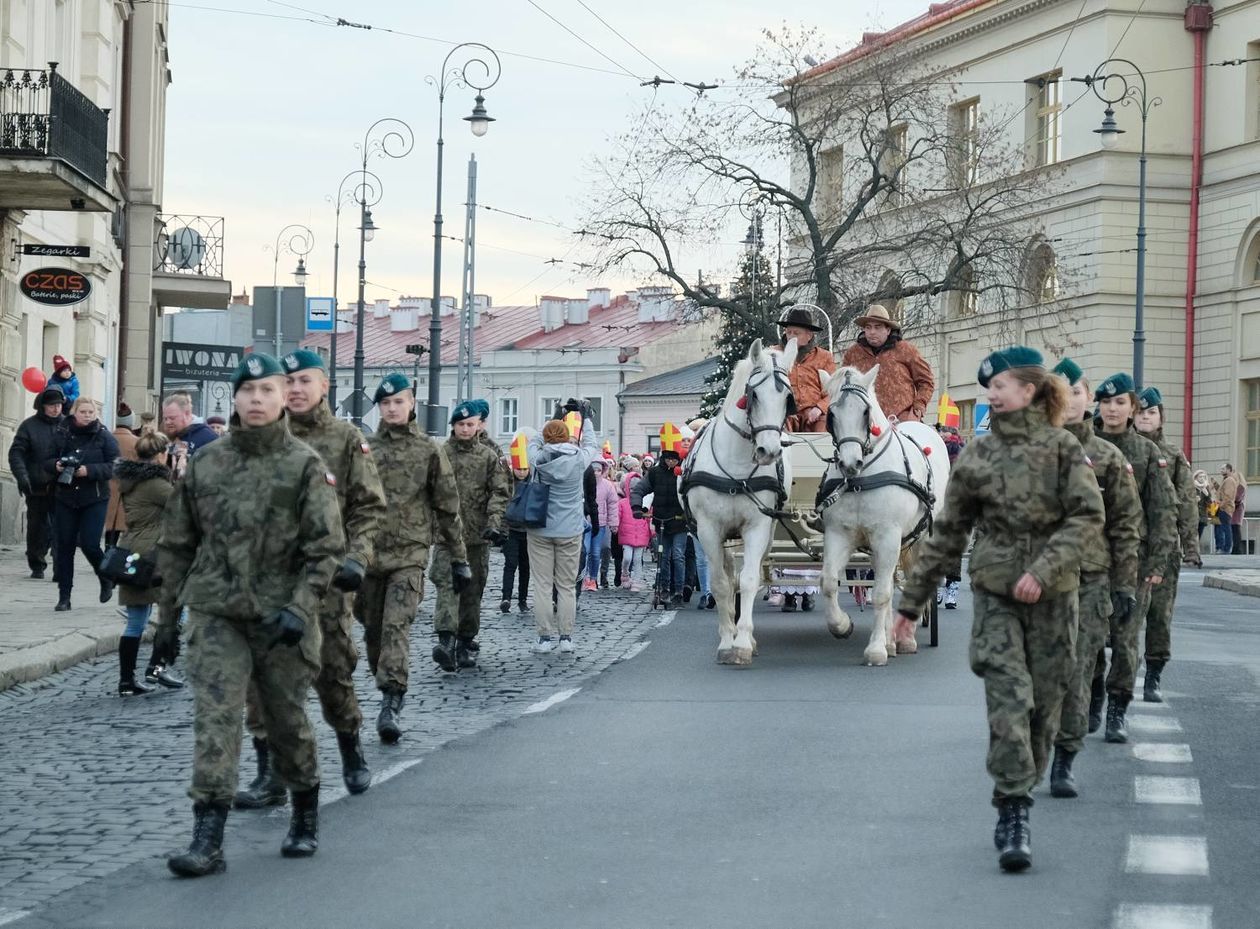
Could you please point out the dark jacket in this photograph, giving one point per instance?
(143, 487)
(661, 481)
(590, 498)
(197, 436)
(34, 444)
(97, 450)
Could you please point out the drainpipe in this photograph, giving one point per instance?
(124, 290)
(1198, 22)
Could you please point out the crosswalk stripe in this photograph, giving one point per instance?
(1153, 724)
(1167, 854)
(1162, 916)
(1180, 791)
(1162, 752)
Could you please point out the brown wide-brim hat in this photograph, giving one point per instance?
(877, 313)
(799, 316)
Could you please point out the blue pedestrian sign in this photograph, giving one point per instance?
(982, 418)
(320, 313)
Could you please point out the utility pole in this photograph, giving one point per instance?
(467, 336)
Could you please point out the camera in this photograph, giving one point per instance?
(69, 464)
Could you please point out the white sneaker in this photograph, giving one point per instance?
(566, 644)
(543, 646)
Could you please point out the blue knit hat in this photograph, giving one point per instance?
(1114, 386)
(1017, 356)
(390, 385)
(254, 367)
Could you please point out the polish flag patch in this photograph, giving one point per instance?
(1089, 462)
(1163, 462)
(365, 448)
(330, 478)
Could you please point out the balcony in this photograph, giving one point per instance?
(188, 262)
(53, 144)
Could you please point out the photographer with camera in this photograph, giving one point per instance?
(83, 465)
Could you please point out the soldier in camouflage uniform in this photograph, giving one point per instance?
(1150, 422)
(1117, 405)
(1028, 489)
(250, 542)
(1109, 567)
(362, 500)
(483, 497)
(421, 501)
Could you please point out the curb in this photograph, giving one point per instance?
(1228, 580)
(31, 664)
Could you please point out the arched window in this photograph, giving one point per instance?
(964, 300)
(1041, 273)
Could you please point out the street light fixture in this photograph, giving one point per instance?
(1112, 87)
(367, 188)
(386, 138)
(482, 61)
(299, 273)
(300, 241)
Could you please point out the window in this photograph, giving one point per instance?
(547, 407)
(597, 412)
(509, 421)
(964, 150)
(654, 443)
(893, 161)
(1253, 431)
(964, 300)
(1252, 113)
(1041, 274)
(830, 186)
(1045, 111)
(966, 418)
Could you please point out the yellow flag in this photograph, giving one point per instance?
(519, 452)
(573, 420)
(670, 437)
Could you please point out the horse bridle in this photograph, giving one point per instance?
(863, 442)
(781, 383)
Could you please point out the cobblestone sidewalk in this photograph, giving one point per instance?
(94, 782)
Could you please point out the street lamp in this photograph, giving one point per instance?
(390, 138)
(482, 60)
(1112, 87)
(371, 185)
(300, 241)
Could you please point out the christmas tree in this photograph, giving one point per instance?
(755, 290)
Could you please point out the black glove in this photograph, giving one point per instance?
(1122, 607)
(493, 536)
(349, 576)
(24, 488)
(638, 512)
(165, 644)
(461, 576)
(285, 628)
(573, 405)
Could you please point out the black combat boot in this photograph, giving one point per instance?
(128, 686)
(505, 605)
(807, 603)
(1062, 783)
(444, 652)
(205, 853)
(466, 652)
(1016, 851)
(387, 721)
(264, 790)
(1116, 729)
(1097, 693)
(303, 838)
(1150, 688)
(354, 769)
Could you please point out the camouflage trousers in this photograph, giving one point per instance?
(338, 658)
(226, 656)
(1124, 650)
(459, 613)
(386, 606)
(1159, 613)
(1095, 609)
(1026, 653)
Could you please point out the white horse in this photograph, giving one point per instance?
(886, 483)
(734, 478)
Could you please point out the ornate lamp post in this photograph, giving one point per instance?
(482, 61)
(1112, 87)
(300, 241)
(390, 138)
(345, 196)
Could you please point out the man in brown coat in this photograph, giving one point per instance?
(905, 382)
(811, 400)
(115, 517)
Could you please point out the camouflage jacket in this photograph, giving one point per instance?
(422, 501)
(1159, 504)
(483, 487)
(1028, 491)
(1115, 549)
(253, 527)
(1182, 477)
(348, 456)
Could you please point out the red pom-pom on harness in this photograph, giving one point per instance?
(927, 450)
(678, 472)
(876, 431)
(741, 403)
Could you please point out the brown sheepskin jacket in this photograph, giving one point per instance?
(905, 382)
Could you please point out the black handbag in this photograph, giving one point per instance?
(528, 506)
(123, 566)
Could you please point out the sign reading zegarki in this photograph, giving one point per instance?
(57, 251)
(192, 361)
(56, 286)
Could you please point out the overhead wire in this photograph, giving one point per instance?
(593, 48)
(614, 31)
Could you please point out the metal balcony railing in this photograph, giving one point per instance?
(43, 115)
(189, 245)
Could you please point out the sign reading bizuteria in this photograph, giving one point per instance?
(193, 361)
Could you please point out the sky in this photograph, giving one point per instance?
(269, 101)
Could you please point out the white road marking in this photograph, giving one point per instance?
(635, 649)
(12, 916)
(1153, 724)
(1180, 791)
(1162, 752)
(1143, 707)
(1168, 916)
(333, 794)
(543, 706)
(1167, 854)
(665, 620)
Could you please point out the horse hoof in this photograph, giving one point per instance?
(876, 659)
(726, 656)
(840, 632)
(755, 650)
(743, 657)
(907, 647)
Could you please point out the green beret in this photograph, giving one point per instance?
(1149, 398)
(254, 367)
(482, 408)
(466, 410)
(1017, 356)
(390, 385)
(301, 360)
(1114, 386)
(1069, 370)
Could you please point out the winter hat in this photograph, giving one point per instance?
(390, 385)
(629, 463)
(126, 418)
(1018, 356)
(1069, 370)
(302, 360)
(50, 394)
(1114, 386)
(255, 367)
(215, 421)
(466, 410)
(555, 432)
(600, 463)
(60, 364)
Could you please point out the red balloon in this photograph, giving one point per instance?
(34, 380)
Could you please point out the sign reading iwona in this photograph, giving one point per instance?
(192, 361)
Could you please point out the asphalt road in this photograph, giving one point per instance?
(805, 791)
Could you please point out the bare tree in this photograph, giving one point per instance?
(887, 189)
